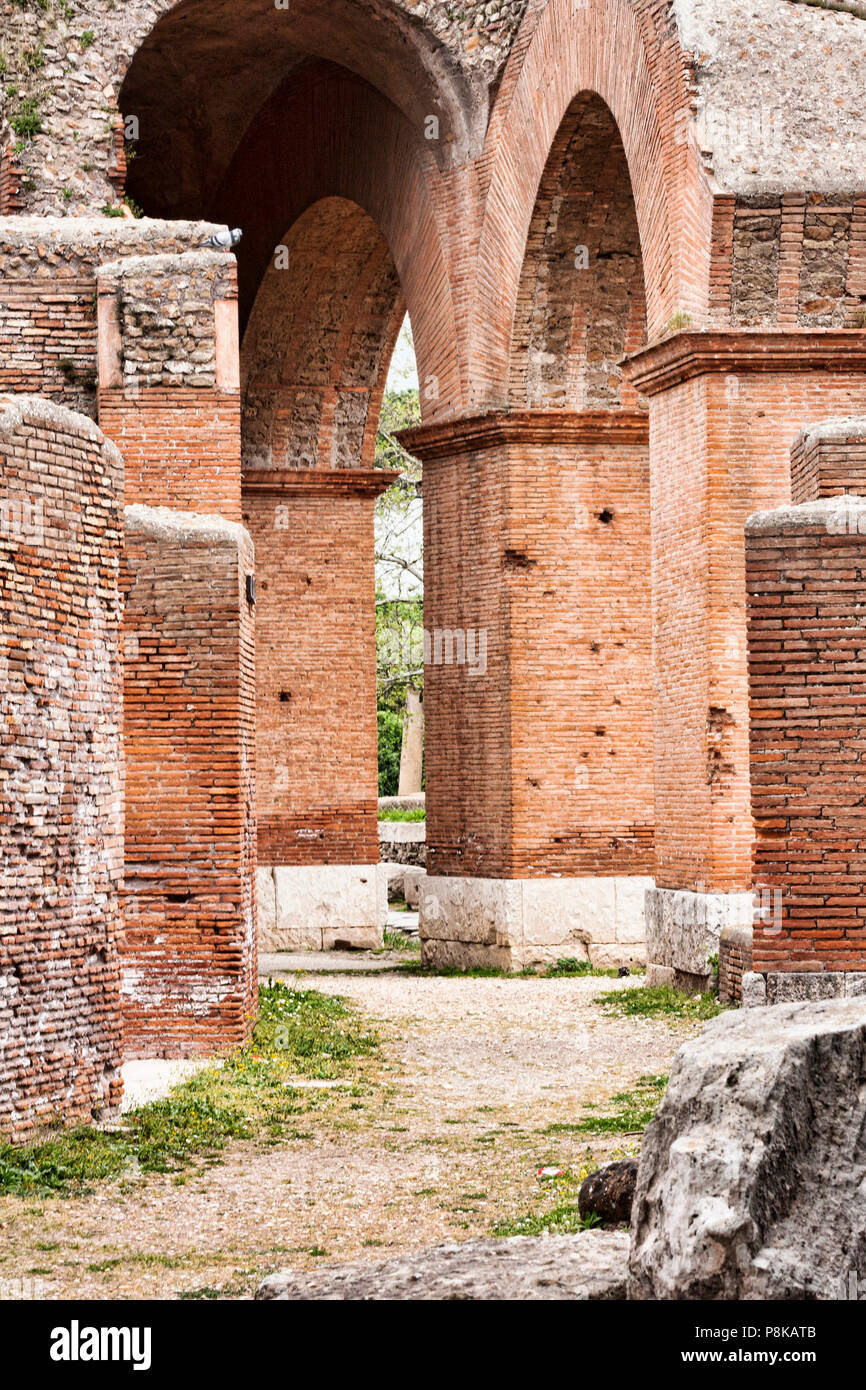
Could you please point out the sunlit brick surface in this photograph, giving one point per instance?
(61, 809)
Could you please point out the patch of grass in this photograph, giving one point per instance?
(298, 1033)
(659, 1001)
(631, 1111)
(557, 1213)
(398, 941)
(394, 813)
(564, 1220)
(678, 323)
(569, 965)
(27, 119)
(87, 39)
(564, 968)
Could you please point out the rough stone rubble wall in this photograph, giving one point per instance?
(61, 811)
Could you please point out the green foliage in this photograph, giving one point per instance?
(112, 210)
(394, 813)
(26, 120)
(564, 1220)
(401, 410)
(398, 941)
(678, 323)
(390, 745)
(557, 1211)
(87, 38)
(299, 1033)
(659, 1001)
(631, 1111)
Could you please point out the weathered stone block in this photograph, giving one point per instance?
(590, 1266)
(320, 905)
(751, 1176)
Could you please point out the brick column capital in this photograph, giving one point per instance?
(469, 434)
(685, 356)
(317, 482)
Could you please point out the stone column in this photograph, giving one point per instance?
(319, 879)
(724, 410)
(538, 704)
(412, 748)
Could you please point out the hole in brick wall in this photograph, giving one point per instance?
(600, 731)
(178, 897)
(594, 648)
(517, 560)
(285, 696)
(605, 516)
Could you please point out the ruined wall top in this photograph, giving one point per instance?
(780, 91)
(779, 82)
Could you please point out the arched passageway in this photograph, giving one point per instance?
(540, 770)
(335, 188)
(314, 361)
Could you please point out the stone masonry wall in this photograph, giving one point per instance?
(189, 957)
(61, 791)
(65, 62)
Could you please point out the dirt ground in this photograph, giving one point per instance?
(444, 1141)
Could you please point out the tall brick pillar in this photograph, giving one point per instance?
(724, 410)
(806, 575)
(169, 397)
(61, 787)
(538, 702)
(319, 880)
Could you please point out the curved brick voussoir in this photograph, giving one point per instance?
(750, 1178)
(61, 805)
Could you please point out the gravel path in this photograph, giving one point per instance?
(446, 1140)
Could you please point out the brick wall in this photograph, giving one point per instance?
(539, 757)
(805, 572)
(828, 459)
(48, 301)
(316, 670)
(735, 960)
(169, 392)
(189, 956)
(724, 410)
(61, 805)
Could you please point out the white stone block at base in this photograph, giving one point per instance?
(526, 922)
(683, 929)
(322, 907)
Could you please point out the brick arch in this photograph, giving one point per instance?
(198, 70)
(326, 134)
(628, 54)
(319, 342)
(581, 305)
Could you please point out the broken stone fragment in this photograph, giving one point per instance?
(609, 1192)
(751, 1181)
